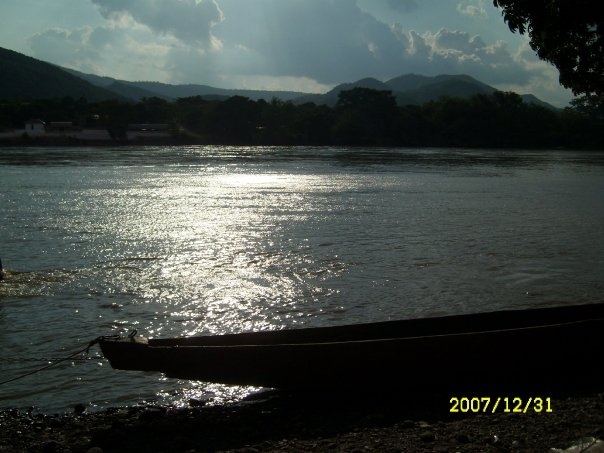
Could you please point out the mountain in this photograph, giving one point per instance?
(139, 90)
(181, 91)
(331, 97)
(23, 77)
(133, 92)
(410, 89)
(532, 99)
(100, 81)
(414, 89)
(462, 86)
(413, 82)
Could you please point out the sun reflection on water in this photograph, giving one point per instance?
(219, 257)
(204, 394)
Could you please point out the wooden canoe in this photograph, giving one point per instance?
(532, 350)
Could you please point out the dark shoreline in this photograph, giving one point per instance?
(289, 423)
(70, 142)
(38, 142)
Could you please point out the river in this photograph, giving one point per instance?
(199, 240)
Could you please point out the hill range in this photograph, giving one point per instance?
(23, 77)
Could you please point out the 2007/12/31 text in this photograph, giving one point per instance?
(487, 404)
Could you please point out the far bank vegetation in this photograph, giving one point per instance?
(361, 117)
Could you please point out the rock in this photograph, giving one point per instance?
(152, 413)
(118, 424)
(95, 450)
(427, 436)
(408, 424)
(52, 447)
(181, 443)
(79, 409)
(212, 428)
(56, 422)
(462, 438)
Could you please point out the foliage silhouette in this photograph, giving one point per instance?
(361, 117)
(567, 33)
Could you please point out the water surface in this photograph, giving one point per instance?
(196, 240)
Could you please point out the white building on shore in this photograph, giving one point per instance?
(34, 127)
(56, 129)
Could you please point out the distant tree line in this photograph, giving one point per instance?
(362, 117)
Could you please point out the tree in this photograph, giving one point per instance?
(233, 120)
(566, 33)
(153, 110)
(591, 106)
(365, 116)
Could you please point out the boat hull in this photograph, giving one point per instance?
(560, 352)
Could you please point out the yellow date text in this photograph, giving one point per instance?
(505, 404)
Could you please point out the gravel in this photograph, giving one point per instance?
(277, 422)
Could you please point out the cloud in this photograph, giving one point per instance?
(190, 21)
(543, 78)
(460, 52)
(336, 41)
(63, 47)
(472, 8)
(388, 10)
(329, 41)
(187, 64)
(273, 43)
(123, 52)
(402, 5)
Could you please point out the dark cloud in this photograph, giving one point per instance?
(333, 41)
(190, 21)
(329, 41)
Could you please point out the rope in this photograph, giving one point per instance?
(70, 357)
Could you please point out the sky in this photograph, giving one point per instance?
(297, 45)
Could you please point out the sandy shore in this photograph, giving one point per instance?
(273, 422)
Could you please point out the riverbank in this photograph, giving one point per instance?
(273, 422)
(72, 142)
